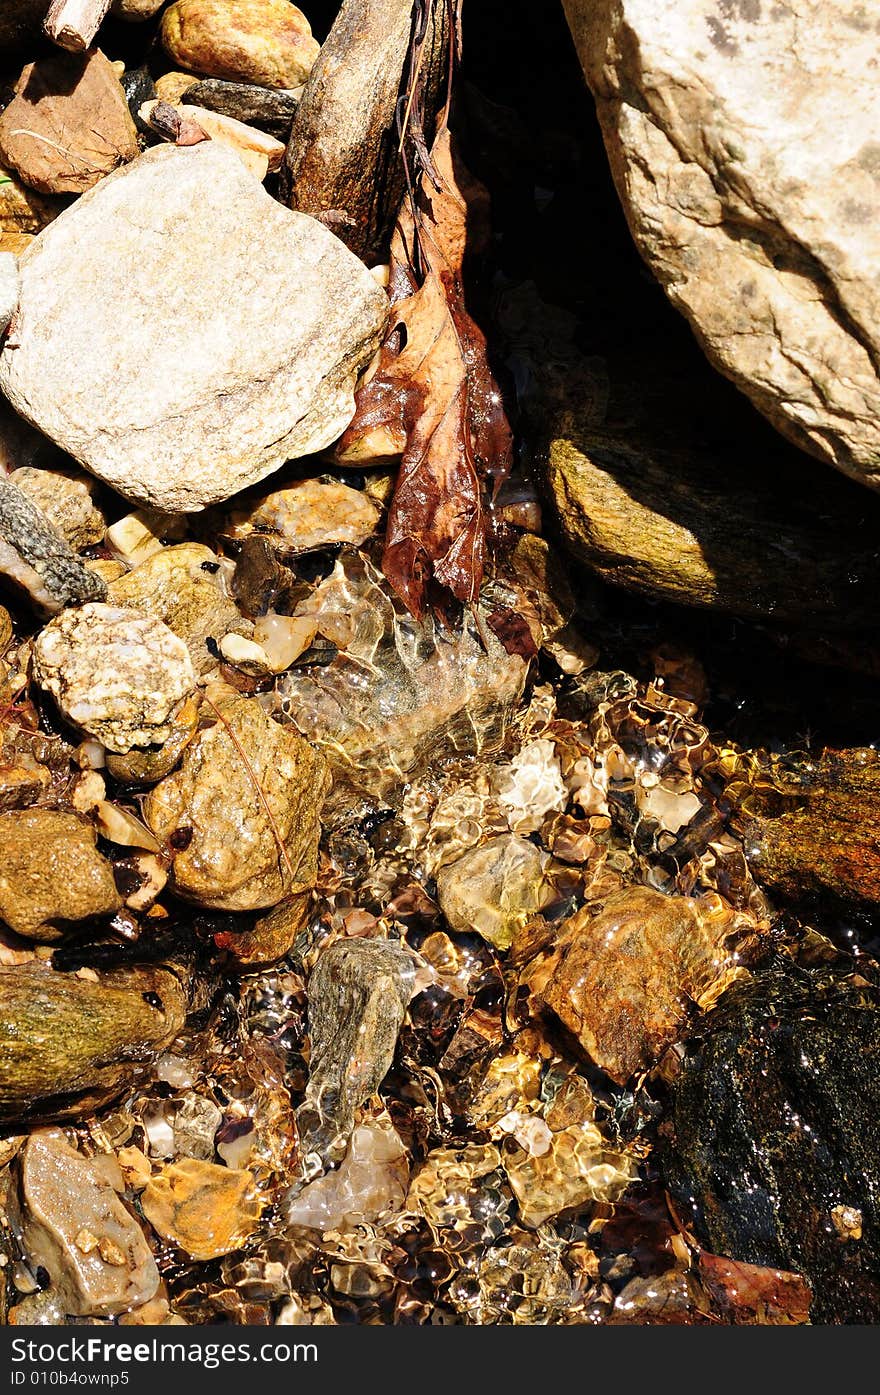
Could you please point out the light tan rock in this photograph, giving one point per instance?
(170, 87)
(260, 153)
(66, 496)
(52, 876)
(119, 674)
(262, 41)
(309, 514)
(744, 139)
(72, 1224)
(272, 319)
(251, 792)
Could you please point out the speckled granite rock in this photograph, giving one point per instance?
(34, 555)
(117, 673)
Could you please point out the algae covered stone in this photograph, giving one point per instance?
(52, 876)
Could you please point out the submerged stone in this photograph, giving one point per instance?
(358, 993)
(620, 975)
(400, 693)
(821, 839)
(72, 1224)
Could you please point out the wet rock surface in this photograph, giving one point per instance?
(285, 388)
(358, 994)
(558, 1007)
(249, 792)
(620, 975)
(205, 1209)
(72, 1043)
(434, 690)
(73, 1225)
(775, 1135)
(51, 874)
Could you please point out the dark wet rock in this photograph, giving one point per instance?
(69, 1043)
(269, 109)
(52, 876)
(358, 993)
(349, 104)
(71, 1224)
(260, 580)
(36, 557)
(271, 936)
(810, 827)
(651, 502)
(138, 87)
(775, 1134)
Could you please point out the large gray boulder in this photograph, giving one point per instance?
(744, 138)
(182, 334)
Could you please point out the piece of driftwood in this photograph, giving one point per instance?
(73, 24)
(343, 162)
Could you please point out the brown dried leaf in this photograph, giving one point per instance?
(514, 632)
(434, 392)
(751, 1293)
